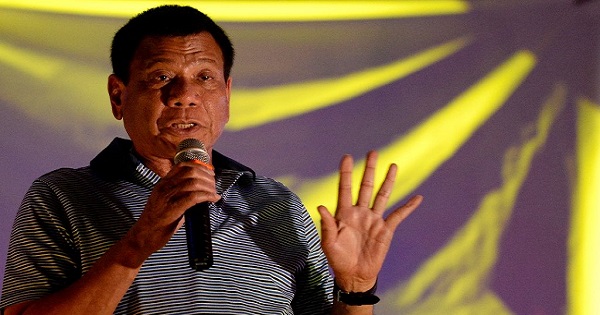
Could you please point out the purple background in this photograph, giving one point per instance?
(529, 275)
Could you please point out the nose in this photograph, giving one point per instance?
(182, 93)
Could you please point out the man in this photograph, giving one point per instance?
(108, 238)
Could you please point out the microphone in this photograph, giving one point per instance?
(197, 218)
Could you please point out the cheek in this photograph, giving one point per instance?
(225, 108)
(142, 115)
(226, 113)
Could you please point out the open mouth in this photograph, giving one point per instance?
(184, 126)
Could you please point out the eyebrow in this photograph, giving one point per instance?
(155, 61)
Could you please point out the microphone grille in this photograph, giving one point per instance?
(191, 150)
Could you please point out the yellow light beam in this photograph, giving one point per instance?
(584, 239)
(256, 11)
(455, 279)
(419, 153)
(252, 108)
(41, 86)
(36, 65)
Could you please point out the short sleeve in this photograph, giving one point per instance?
(314, 284)
(41, 256)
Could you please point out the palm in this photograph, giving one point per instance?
(357, 239)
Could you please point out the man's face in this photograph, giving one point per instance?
(176, 91)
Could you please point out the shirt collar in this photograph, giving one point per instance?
(118, 161)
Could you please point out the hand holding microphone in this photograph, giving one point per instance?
(197, 218)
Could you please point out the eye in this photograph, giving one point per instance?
(159, 76)
(162, 77)
(205, 77)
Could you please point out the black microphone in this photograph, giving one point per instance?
(197, 218)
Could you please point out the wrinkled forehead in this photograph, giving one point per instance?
(189, 49)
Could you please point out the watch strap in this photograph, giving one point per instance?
(355, 298)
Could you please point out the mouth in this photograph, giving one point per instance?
(183, 126)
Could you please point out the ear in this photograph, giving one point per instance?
(229, 82)
(115, 92)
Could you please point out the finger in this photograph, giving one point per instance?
(193, 184)
(345, 184)
(190, 198)
(385, 191)
(188, 185)
(193, 173)
(328, 226)
(367, 183)
(401, 213)
(193, 168)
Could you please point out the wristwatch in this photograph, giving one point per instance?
(355, 298)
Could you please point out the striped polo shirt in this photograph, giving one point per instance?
(267, 254)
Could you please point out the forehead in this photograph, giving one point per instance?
(190, 48)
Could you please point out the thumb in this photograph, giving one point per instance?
(328, 226)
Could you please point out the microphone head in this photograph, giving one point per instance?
(191, 150)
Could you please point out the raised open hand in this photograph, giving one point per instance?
(357, 239)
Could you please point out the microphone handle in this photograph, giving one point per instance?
(197, 230)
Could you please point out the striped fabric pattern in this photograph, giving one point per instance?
(267, 256)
